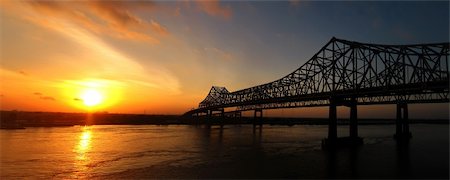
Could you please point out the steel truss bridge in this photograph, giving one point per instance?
(347, 73)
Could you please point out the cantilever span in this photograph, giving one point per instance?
(342, 69)
(348, 73)
(371, 73)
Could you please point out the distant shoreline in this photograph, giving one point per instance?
(51, 119)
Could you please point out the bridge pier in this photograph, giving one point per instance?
(402, 123)
(220, 113)
(353, 119)
(208, 117)
(209, 113)
(238, 114)
(332, 121)
(333, 141)
(257, 120)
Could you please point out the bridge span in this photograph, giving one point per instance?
(347, 73)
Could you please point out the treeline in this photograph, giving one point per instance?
(33, 119)
(42, 119)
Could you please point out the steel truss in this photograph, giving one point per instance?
(370, 73)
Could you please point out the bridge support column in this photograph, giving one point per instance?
(353, 119)
(332, 122)
(333, 141)
(406, 121)
(208, 117)
(402, 123)
(222, 118)
(238, 114)
(258, 119)
(398, 122)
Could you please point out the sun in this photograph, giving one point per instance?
(91, 97)
(92, 94)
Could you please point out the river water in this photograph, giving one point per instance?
(234, 151)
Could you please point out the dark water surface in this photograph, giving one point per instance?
(149, 151)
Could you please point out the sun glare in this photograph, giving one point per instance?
(92, 94)
(91, 97)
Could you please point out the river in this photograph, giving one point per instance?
(234, 151)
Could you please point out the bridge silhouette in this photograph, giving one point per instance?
(347, 73)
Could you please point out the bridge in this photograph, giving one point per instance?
(347, 73)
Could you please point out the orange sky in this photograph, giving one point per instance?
(53, 51)
(157, 57)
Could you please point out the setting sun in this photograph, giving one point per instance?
(91, 94)
(91, 97)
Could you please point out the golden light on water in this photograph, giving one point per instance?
(84, 144)
(82, 150)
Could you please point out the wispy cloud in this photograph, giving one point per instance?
(158, 28)
(220, 53)
(213, 8)
(41, 96)
(23, 73)
(85, 22)
(117, 19)
(48, 98)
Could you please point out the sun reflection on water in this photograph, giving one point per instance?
(82, 150)
(84, 143)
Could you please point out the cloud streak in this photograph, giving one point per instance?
(220, 53)
(41, 96)
(84, 21)
(213, 8)
(115, 18)
(48, 98)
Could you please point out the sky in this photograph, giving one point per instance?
(160, 57)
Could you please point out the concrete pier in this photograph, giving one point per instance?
(353, 119)
(332, 122)
(333, 141)
(258, 117)
(402, 123)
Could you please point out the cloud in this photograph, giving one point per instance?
(48, 98)
(84, 21)
(213, 8)
(114, 13)
(117, 19)
(77, 99)
(222, 54)
(177, 12)
(41, 96)
(23, 73)
(158, 28)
